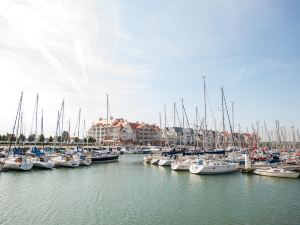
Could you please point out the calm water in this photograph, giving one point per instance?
(129, 192)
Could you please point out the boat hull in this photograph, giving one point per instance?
(180, 166)
(104, 159)
(277, 174)
(44, 165)
(17, 166)
(85, 162)
(213, 169)
(155, 161)
(165, 162)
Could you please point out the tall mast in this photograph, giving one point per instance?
(205, 119)
(174, 115)
(165, 116)
(183, 132)
(223, 116)
(232, 112)
(36, 112)
(159, 114)
(107, 118)
(42, 126)
(78, 128)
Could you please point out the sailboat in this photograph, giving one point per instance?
(68, 159)
(85, 160)
(16, 158)
(40, 160)
(277, 172)
(213, 167)
(99, 156)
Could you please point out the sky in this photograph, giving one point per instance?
(145, 54)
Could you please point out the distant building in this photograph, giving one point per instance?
(122, 132)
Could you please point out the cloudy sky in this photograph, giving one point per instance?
(145, 54)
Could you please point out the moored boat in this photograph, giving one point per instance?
(213, 167)
(277, 172)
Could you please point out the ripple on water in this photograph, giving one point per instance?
(130, 192)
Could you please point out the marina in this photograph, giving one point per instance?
(132, 192)
(149, 112)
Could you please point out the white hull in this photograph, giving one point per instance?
(155, 161)
(59, 162)
(213, 169)
(165, 162)
(277, 173)
(21, 166)
(181, 166)
(148, 159)
(85, 162)
(43, 165)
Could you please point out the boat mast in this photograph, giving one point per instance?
(175, 134)
(42, 127)
(78, 128)
(107, 118)
(16, 119)
(205, 121)
(223, 117)
(183, 133)
(36, 112)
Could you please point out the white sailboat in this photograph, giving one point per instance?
(155, 160)
(16, 158)
(166, 161)
(67, 161)
(40, 160)
(277, 172)
(213, 167)
(182, 164)
(148, 159)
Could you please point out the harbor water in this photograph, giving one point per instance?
(131, 192)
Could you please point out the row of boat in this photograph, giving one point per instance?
(22, 160)
(214, 165)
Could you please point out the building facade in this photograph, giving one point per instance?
(122, 132)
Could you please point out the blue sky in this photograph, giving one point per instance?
(145, 54)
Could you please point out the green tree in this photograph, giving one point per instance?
(11, 137)
(65, 136)
(50, 139)
(31, 137)
(41, 138)
(21, 138)
(91, 140)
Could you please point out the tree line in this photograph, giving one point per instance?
(65, 138)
